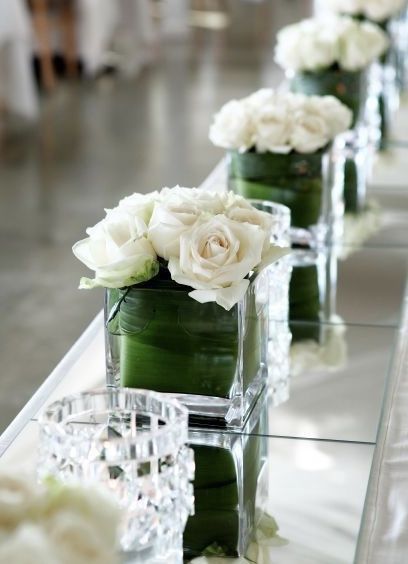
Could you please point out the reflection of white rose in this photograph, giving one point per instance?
(117, 252)
(216, 255)
(309, 133)
(232, 127)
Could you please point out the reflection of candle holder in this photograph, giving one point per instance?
(133, 443)
(230, 475)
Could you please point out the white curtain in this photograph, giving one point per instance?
(17, 87)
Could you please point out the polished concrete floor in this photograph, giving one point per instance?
(95, 142)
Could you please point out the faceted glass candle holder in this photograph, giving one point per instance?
(281, 220)
(133, 442)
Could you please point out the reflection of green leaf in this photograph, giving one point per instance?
(214, 550)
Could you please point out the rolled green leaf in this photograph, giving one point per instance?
(171, 343)
(225, 491)
(295, 180)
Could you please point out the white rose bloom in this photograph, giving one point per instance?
(345, 6)
(77, 540)
(141, 207)
(17, 498)
(337, 116)
(178, 210)
(117, 252)
(380, 10)
(272, 126)
(215, 257)
(259, 98)
(28, 544)
(360, 44)
(305, 46)
(310, 132)
(243, 212)
(232, 127)
(317, 43)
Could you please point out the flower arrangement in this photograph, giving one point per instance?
(269, 121)
(375, 10)
(321, 43)
(54, 523)
(205, 241)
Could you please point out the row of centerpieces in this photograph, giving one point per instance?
(199, 292)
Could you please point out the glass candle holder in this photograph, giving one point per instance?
(133, 442)
(281, 217)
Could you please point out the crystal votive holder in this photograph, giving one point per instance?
(281, 220)
(133, 442)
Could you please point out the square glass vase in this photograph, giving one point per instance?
(310, 185)
(230, 487)
(214, 361)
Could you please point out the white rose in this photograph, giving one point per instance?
(305, 46)
(232, 127)
(337, 116)
(242, 211)
(380, 10)
(344, 6)
(117, 252)
(310, 132)
(272, 128)
(360, 44)
(18, 498)
(207, 201)
(178, 211)
(77, 540)
(28, 544)
(215, 257)
(141, 207)
(259, 98)
(95, 505)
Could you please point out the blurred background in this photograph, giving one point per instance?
(99, 99)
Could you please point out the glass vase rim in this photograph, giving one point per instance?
(269, 203)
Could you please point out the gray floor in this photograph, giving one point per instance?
(96, 142)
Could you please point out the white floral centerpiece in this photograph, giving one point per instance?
(375, 10)
(329, 56)
(52, 523)
(278, 145)
(183, 269)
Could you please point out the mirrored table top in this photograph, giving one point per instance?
(321, 422)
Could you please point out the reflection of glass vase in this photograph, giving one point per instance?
(312, 294)
(230, 471)
(213, 360)
(310, 185)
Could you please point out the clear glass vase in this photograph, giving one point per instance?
(230, 483)
(310, 185)
(133, 443)
(213, 360)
